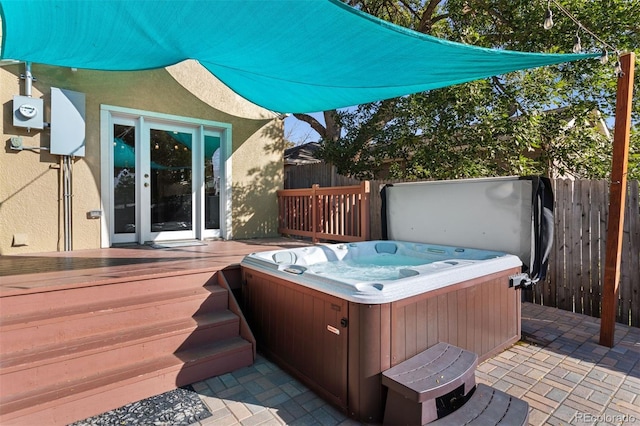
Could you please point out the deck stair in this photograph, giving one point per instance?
(437, 386)
(71, 352)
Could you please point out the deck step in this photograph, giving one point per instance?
(43, 329)
(79, 358)
(488, 407)
(98, 305)
(55, 298)
(78, 347)
(420, 384)
(75, 351)
(106, 390)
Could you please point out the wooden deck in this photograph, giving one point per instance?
(34, 272)
(88, 331)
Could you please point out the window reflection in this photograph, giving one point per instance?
(171, 181)
(124, 179)
(212, 182)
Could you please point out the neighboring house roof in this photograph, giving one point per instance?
(302, 154)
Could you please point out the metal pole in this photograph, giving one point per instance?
(28, 79)
(66, 172)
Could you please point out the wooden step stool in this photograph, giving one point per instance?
(415, 384)
(488, 407)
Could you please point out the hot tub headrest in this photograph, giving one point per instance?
(287, 257)
(385, 247)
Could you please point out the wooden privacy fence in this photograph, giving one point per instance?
(338, 213)
(576, 265)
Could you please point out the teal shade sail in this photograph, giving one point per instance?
(284, 55)
(124, 155)
(211, 143)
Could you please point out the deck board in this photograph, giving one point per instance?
(36, 272)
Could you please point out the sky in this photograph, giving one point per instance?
(300, 132)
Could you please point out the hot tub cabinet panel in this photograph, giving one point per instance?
(302, 330)
(369, 355)
(481, 315)
(340, 348)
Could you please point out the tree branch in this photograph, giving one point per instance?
(439, 18)
(332, 128)
(315, 124)
(426, 20)
(415, 14)
(505, 91)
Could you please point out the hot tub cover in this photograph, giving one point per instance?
(513, 214)
(286, 55)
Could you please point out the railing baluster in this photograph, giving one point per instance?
(336, 213)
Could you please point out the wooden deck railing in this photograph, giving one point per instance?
(338, 213)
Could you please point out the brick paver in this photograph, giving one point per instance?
(558, 368)
(579, 381)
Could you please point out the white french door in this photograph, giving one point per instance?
(167, 198)
(167, 180)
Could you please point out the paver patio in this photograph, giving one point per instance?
(558, 368)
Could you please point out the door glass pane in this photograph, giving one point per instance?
(170, 181)
(212, 182)
(124, 179)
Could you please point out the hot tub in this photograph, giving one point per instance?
(337, 315)
(317, 315)
(379, 271)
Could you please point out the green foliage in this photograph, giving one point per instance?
(542, 121)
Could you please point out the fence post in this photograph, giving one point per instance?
(617, 198)
(315, 208)
(281, 211)
(365, 228)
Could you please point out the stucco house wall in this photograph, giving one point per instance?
(30, 180)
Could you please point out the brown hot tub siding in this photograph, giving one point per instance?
(369, 356)
(481, 315)
(290, 324)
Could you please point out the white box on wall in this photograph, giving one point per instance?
(67, 122)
